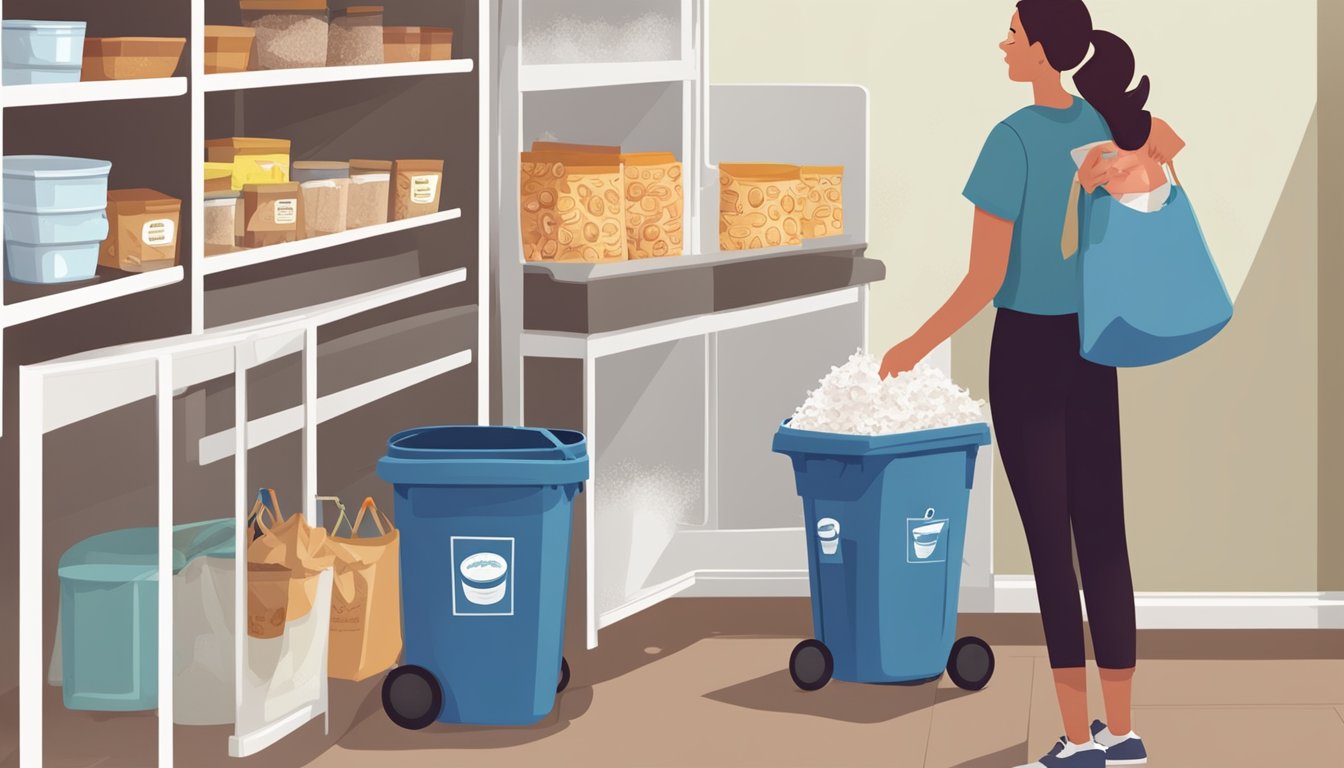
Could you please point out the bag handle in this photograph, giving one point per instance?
(260, 506)
(380, 520)
(1068, 239)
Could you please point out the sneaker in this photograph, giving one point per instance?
(1066, 755)
(1120, 750)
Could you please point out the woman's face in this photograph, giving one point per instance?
(1025, 60)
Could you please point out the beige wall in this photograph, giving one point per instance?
(1216, 445)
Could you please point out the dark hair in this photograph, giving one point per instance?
(1064, 30)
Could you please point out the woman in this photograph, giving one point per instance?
(1056, 416)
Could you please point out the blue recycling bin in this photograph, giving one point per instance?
(886, 527)
(485, 516)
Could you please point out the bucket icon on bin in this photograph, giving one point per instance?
(484, 578)
(828, 533)
(926, 538)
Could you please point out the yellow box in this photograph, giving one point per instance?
(255, 161)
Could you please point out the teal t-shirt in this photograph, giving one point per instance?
(1023, 175)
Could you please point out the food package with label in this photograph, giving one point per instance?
(273, 214)
(418, 183)
(823, 208)
(255, 161)
(370, 187)
(760, 205)
(143, 227)
(653, 204)
(290, 33)
(573, 207)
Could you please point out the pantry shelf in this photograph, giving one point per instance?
(274, 78)
(225, 262)
(104, 90)
(83, 296)
(557, 77)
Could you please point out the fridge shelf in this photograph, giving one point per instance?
(272, 78)
(559, 77)
(103, 90)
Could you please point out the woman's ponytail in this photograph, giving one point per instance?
(1104, 81)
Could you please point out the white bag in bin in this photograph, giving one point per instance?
(203, 642)
(287, 673)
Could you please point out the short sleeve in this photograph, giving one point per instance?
(998, 183)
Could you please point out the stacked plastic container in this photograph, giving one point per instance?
(55, 217)
(43, 52)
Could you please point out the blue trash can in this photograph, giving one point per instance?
(886, 527)
(485, 516)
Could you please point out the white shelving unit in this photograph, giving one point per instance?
(239, 81)
(367, 283)
(562, 77)
(678, 433)
(79, 93)
(245, 258)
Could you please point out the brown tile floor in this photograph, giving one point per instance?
(704, 683)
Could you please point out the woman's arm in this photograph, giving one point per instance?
(991, 240)
(1163, 143)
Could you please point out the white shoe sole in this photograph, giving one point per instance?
(1140, 761)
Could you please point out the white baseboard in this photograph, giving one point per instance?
(1201, 610)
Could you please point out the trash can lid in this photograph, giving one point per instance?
(130, 554)
(485, 455)
(801, 441)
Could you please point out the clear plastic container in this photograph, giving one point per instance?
(290, 33)
(42, 51)
(370, 188)
(221, 220)
(356, 36)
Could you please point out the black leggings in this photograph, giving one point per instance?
(1057, 426)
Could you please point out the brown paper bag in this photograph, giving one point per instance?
(284, 561)
(365, 597)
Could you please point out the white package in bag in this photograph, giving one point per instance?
(203, 642)
(285, 676)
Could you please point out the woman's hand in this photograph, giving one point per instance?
(901, 358)
(1096, 170)
(1163, 143)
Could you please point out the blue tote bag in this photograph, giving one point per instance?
(1150, 288)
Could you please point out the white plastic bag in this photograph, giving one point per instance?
(285, 676)
(203, 639)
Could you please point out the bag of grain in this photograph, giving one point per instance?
(760, 205)
(143, 230)
(653, 204)
(823, 208)
(573, 207)
(417, 188)
(274, 214)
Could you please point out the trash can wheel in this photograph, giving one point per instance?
(564, 675)
(811, 665)
(412, 697)
(971, 663)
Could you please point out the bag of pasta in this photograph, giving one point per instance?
(572, 207)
